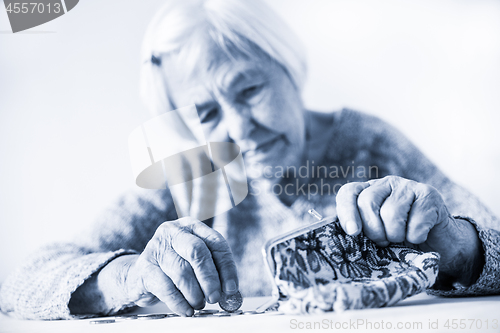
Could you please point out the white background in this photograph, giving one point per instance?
(69, 98)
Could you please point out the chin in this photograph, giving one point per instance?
(265, 165)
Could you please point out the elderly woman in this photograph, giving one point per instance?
(244, 70)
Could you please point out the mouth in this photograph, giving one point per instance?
(263, 147)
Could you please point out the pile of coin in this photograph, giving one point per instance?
(229, 303)
(197, 314)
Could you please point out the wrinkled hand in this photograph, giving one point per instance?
(394, 210)
(185, 264)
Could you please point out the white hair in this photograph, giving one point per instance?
(244, 27)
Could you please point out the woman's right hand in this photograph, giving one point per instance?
(185, 264)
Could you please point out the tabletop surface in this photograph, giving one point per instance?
(420, 313)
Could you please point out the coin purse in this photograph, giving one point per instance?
(320, 268)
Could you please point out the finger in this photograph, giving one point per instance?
(147, 299)
(221, 255)
(395, 212)
(183, 276)
(424, 214)
(195, 251)
(347, 207)
(160, 252)
(370, 201)
(160, 285)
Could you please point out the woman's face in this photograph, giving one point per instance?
(254, 104)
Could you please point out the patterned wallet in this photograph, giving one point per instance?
(320, 268)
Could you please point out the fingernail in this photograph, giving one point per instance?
(383, 244)
(214, 297)
(189, 312)
(230, 287)
(351, 227)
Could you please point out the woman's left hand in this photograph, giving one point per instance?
(395, 210)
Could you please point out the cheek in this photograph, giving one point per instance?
(281, 111)
(216, 133)
(291, 122)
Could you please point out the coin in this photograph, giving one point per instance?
(208, 311)
(152, 316)
(251, 312)
(102, 321)
(236, 313)
(127, 317)
(203, 315)
(231, 303)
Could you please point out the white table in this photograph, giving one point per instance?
(421, 313)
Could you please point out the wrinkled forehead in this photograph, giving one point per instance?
(204, 66)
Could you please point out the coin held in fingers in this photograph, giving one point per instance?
(231, 303)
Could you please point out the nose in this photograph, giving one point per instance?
(239, 124)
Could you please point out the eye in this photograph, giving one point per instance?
(251, 91)
(209, 115)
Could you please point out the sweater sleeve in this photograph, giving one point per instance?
(41, 287)
(488, 282)
(394, 154)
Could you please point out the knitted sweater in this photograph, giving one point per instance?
(360, 147)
